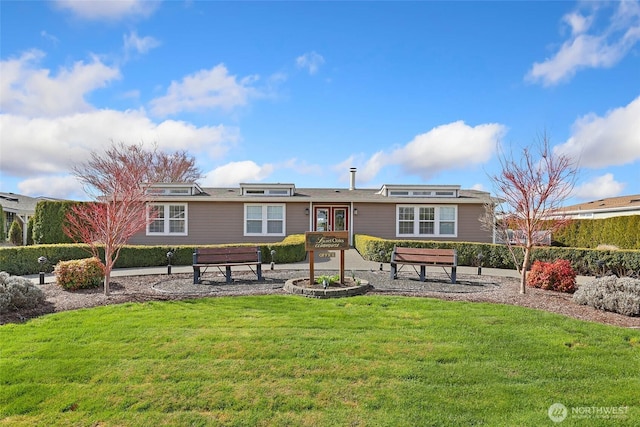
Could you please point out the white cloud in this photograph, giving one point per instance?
(478, 187)
(31, 91)
(109, 10)
(451, 146)
(232, 174)
(140, 45)
(599, 188)
(597, 49)
(311, 61)
(62, 187)
(606, 141)
(53, 145)
(206, 89)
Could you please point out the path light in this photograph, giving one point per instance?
(382, 253)
(273, 257)
(479, 258)
(42, 261)
(169, 256)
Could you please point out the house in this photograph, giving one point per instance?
(186, 214)
(18, 207)
(604, 208)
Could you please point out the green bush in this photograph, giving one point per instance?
(3, 225)
(79, 274)
(17, 292)
(610, 293)
(30, 231)
(621, 231)
(583, 261)
(552, 276)
(15, 233)
(49, 219)
(24, 260)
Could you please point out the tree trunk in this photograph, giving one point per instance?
(107, 279)
(525, 267)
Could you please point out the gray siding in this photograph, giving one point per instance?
(376, 219)
(223, 222)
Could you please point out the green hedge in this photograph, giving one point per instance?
(49, 218)
(583, 260)
(24, 260)
(621, 231)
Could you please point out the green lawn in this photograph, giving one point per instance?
(285, 360)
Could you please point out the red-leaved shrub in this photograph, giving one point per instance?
(553, 276)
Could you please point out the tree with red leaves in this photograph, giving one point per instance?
(118, 181)
(531, 189)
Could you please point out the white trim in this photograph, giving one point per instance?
(264, 208)
(436, 221)
(167, 220)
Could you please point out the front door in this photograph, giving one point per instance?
(331, 218)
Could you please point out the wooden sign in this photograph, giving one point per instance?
(326, 240)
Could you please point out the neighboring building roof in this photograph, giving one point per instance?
(612, 206)
(19, 204)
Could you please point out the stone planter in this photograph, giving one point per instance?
(301, 286)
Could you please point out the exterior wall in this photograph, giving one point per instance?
(223, 222)
(379, 220)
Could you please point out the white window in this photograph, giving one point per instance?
(423, 221)
(170, 219)
(264, 220)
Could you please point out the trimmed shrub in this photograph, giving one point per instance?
(552, 276)
(79, 274)
(18, 292)
(49, 220)
(15, 233)
(3, 230)
(610, 293)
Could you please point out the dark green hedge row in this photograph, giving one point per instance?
(584, 261)
(620, 231)
(48, 221)
(24, 260)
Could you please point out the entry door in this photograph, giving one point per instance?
(331, 218)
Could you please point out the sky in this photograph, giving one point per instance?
(300, 92)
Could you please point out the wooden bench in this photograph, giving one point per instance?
(424, 257)
(226, 257)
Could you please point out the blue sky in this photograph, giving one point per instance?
(299, 92)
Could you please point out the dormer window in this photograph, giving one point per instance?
(174, 189)
(419, 190)
(283, 190)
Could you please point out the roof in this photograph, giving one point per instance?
(332, 195)
(17, 203)
(621, 203)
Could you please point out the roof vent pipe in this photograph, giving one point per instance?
(352, 182)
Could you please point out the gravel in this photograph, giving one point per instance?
(501, 290)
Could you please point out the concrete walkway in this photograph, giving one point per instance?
(352, 261)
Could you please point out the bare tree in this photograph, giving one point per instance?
(118, 181)
(530, 192)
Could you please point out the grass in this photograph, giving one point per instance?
(285, 360)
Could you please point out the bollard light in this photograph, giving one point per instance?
(273, 257)
(169, 256)
(382, 254)
(42, 261)
(479, 257)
